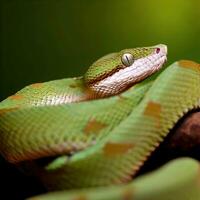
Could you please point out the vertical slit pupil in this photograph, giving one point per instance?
(127, 60)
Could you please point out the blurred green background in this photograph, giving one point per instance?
(43, 40)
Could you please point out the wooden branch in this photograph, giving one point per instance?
(186, 136)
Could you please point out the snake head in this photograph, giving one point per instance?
(115, 72)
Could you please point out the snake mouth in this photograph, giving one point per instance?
(127, 77)
(162, 64)
(124, 76)
(163, 51)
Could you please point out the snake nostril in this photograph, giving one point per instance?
(157, 50)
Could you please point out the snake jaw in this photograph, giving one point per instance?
(125, 77)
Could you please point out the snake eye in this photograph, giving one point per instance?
(127, 59)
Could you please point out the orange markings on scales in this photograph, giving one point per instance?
(6, 110)
(16, 97)
(189, 64)
(93, 126)
(37, 85)
(128, 194)
(153, 109)
(81, 197)
(111, 149)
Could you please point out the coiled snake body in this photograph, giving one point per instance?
(100, 129)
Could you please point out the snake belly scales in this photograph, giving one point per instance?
(101, 128)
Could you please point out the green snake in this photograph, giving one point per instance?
(96, 131)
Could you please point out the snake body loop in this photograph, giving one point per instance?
(101, 128)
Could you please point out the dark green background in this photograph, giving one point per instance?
(43, 40)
